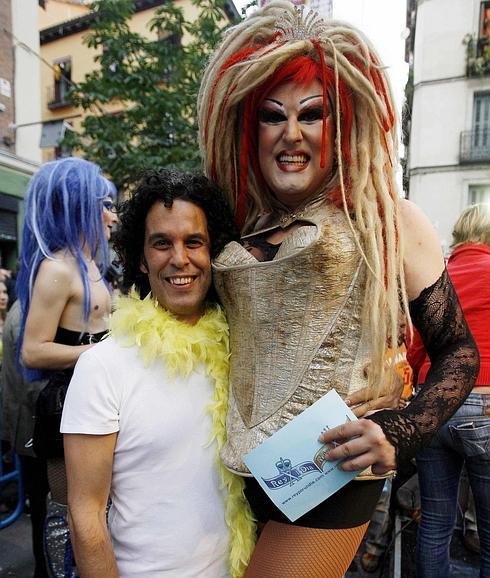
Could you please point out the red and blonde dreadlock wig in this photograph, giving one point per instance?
(279, 43)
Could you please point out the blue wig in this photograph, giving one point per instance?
(63, 211)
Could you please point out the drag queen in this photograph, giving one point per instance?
(298, 126)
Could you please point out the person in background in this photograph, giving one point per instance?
(65, 305)
(378, 534)
(4, 302)
(465, 439)
(4, 447)
(9, 277)
(19, 403)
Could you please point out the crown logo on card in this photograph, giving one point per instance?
(283, 465)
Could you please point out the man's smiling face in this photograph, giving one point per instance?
(176, 258)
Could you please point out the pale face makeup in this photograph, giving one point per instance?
(290, 142)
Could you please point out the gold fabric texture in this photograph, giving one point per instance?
(295, 327)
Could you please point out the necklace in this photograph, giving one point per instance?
(286, 217)
(157, 334)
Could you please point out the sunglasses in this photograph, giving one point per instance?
(109, 205)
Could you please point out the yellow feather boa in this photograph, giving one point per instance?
(158, 334)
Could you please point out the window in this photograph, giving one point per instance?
(481, 111)
(61, 152)
(481, 125)
(475, 143)
(485, 20)
(483, 41)
(62, 82)
(478, 194)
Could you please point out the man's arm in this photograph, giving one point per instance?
(52, 291)
(89, 461)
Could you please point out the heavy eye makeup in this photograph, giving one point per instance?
(311, 114)
(269, 116)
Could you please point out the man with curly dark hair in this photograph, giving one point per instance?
(165, 186)
(143, 420)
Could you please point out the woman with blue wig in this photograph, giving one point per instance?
(65, 304)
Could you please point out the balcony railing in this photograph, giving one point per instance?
(475, 146)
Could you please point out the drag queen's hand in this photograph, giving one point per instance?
(367, 399)
(361, 444)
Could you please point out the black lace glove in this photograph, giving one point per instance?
(455, 363)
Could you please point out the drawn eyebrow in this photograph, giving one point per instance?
(310, 98)
(275, 101)
(279, 103)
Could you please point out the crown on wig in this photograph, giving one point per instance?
(296, 26)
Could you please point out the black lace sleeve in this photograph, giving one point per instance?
(455, 362)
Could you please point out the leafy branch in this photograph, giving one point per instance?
(140, 101)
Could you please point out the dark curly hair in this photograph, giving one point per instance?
(164, 186)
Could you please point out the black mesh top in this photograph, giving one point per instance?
(455, 361)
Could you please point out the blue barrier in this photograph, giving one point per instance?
(14, 475)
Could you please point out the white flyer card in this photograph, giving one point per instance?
(291, 465)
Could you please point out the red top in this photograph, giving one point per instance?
(469, 269)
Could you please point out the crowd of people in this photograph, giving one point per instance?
(247, 293)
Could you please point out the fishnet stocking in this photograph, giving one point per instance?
(287, 551)
(57, 480)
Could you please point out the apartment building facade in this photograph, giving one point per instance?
(449, 153)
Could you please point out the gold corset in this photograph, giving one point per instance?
(295, 327)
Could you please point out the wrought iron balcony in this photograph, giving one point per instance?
(474, 146)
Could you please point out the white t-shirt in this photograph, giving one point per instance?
(167, 512)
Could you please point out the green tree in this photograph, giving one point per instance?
(155, 84)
